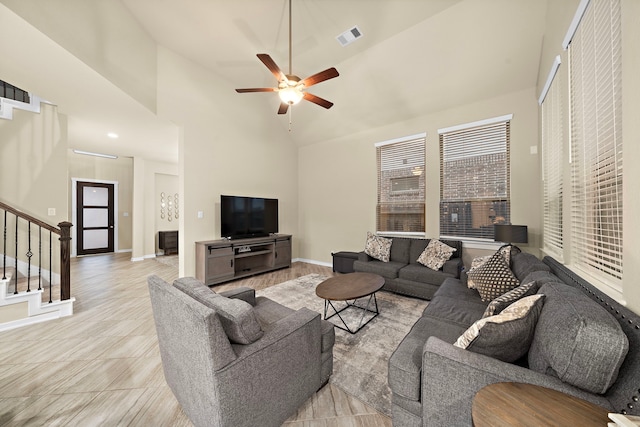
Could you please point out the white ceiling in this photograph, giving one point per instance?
(415, 56)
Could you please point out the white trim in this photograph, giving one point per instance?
(90, 153)
(552, 73)
(573, 27)
(479, 123)
(401, 139)
(312, 261)
(74, 211)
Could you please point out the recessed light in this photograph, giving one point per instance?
(112, 135)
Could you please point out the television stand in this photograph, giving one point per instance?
(219, 261)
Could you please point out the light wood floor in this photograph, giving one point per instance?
(102, 366)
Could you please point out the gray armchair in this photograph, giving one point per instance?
(286, 356)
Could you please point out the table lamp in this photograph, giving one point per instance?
(508, 233)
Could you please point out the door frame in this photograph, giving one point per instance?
(74, 212)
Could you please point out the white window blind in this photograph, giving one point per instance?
(401, 185)
(552, 167)
(596, 142)
(474, 179)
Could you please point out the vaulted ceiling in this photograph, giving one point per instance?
(415, 56)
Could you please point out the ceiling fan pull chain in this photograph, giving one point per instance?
(290, 112)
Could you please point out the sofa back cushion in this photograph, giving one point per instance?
(238, 319)
(576, 340)
(523, 263)
(400, 250)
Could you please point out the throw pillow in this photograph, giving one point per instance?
(238, 319)
(506, 336)
(505, 251)
(378, 247)
(477, 262)
(435, 254)
(493, 278)
(503, 301)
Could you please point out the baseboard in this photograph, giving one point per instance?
(142, 258)
(312, 261)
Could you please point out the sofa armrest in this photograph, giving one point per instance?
(453, 266)
(452, 376)
(244, 293)
(362, 256)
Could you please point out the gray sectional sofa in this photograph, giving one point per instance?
(404, 275)
(233, 359)
(579, 347)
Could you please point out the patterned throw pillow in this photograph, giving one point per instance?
(494, 278)
(506, 336)
(435, 254)
(505, 251)
(378, 247)
(503, 301)
(477, 262)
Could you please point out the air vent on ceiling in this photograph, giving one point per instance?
(349, 36)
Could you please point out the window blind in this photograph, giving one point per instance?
(552, 167)
(596, 142)
(401, 185)
(474, 180)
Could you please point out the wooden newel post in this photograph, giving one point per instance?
(65, 260)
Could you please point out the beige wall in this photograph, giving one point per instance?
(228, 145)
(337, 191)
(101, 34)
(120, 170)
(33, 174)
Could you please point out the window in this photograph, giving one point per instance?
(552, 162)
(474, 178)
(596, 142)
(401, 185)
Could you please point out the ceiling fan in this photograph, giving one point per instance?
(291, 88)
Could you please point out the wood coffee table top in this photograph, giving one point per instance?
(518, 404)
(349, 286)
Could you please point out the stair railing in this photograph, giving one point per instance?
(28, 223)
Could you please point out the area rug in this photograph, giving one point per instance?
(170, 260)
(359, 360)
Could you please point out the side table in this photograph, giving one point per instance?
(519, 404)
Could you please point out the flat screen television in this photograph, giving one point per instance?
(243, 217)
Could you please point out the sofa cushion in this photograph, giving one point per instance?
(477, 262)
(576, 340)
(435, 254)
(422, 274)
(405, 363)
(505, 300)
(506, 336)
(493, 278)
(523, 263)
(388, 270)
(237, 316)
(400, 248)
(378, 247)
(459, 311)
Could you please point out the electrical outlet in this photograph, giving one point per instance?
(51, 211)
(200, 214)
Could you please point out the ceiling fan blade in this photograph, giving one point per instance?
(257, 89)
(272, 66)
(317, 100)
(283, 108)
(327, 74)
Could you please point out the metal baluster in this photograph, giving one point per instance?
(15, 289)
(50, 266)
(4, 252)
(39, 257)
(29, 254)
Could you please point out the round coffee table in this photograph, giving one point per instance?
(349, 288)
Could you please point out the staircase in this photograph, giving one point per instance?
(28, 284)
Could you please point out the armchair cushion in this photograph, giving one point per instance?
(237, 316)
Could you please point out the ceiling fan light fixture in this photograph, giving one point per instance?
(290, 95)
